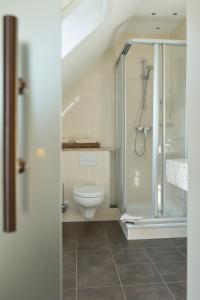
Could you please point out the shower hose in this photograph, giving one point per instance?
(140, 154)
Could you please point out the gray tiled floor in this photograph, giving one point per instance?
(166, 254)
(100, 264)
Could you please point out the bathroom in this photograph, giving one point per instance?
(99, 156)
(123, 149)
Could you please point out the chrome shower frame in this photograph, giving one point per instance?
(156, 43)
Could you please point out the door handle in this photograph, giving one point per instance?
(10, 86)
(9, 123)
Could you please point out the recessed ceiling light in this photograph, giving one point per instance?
(157, 28)
(153, 14)
(175, 14)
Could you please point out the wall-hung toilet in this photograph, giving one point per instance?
(88, 197)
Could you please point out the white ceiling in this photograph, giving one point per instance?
(132, 15)
(148, 25)
(143, 22)
(163, 8)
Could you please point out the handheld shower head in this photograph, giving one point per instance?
(149, 68)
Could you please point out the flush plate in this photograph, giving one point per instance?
(88, 160)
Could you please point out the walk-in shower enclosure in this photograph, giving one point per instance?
(142, 187)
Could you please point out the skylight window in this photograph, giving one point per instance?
(80, 22)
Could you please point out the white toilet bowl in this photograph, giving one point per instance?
(89, 197)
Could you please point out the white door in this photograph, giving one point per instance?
(30, 253)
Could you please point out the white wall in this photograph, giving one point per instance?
(73, 174)
(93, 116)
(180, 31)
(193, 109)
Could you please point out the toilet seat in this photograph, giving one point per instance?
(89, 191)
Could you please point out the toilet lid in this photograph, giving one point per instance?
(89, 191)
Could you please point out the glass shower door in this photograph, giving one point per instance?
(120, 134)
(140, 72)
(30, 235)
(150, 125)
(174, 125)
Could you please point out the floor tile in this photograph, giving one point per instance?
(179, 290)
(92, 225)
(113, 229)
(130, 256)
(92, 233)
(97, 258)
(165, 254)
(70, 229)
(69, 244)
(179, 241)
(158, 243)
(91, 229)
(69, 278)
(115, 233)
(99, 243)
(69, 259)
(173, 272)
(148, 292)
(69, 294)
(123, 243)
(183, 250)
(138, 273)
(111, 224)
(111, 293)
(97, 277)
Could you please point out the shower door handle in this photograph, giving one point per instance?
(10, 88)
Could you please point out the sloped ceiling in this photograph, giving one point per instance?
(93, 46)
(119, 11)
(66, 3)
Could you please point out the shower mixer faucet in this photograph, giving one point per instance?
(143, 129)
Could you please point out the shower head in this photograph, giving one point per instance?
(149, 68)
